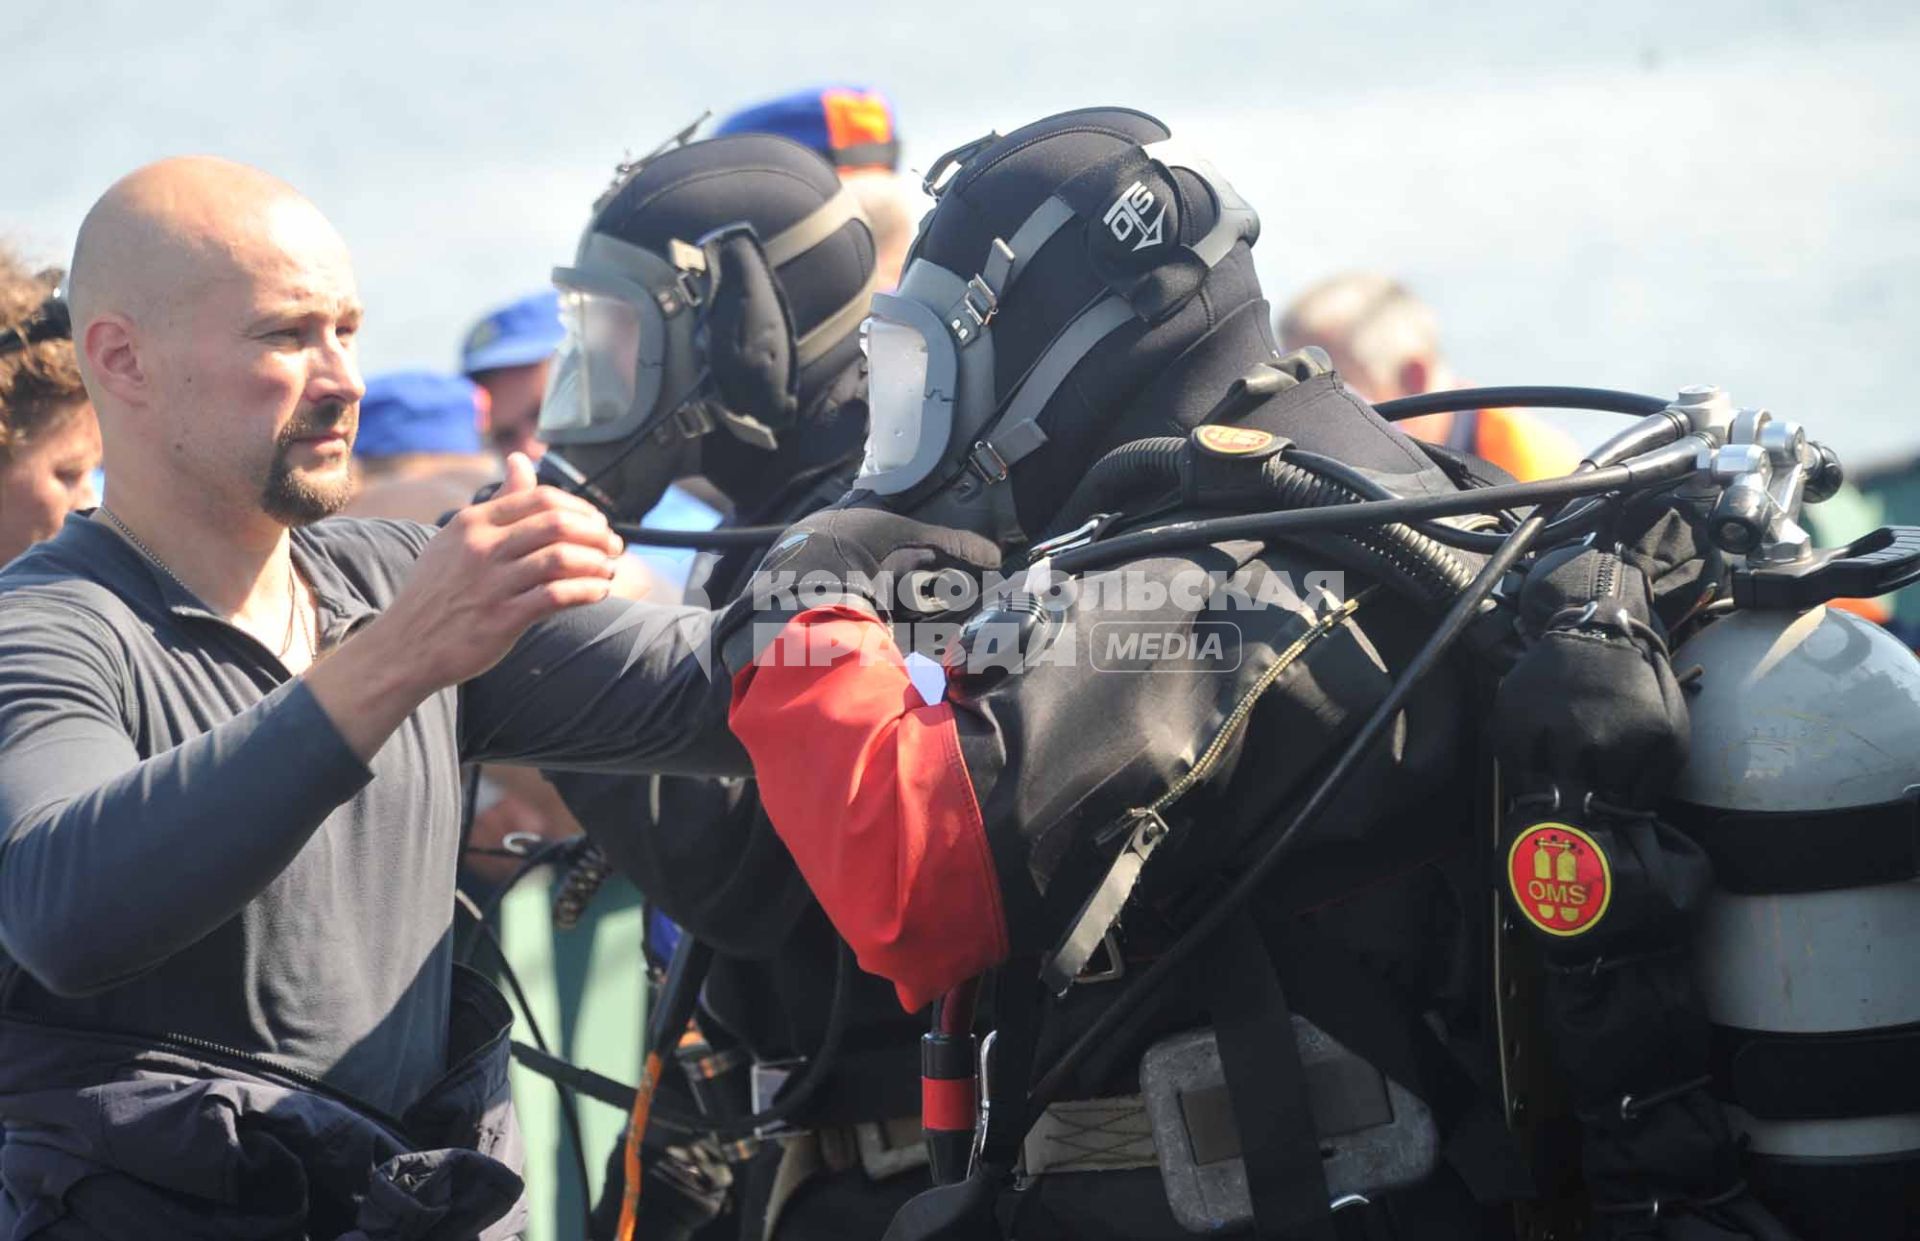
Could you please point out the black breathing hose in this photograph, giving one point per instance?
(1484, 542)
(1525, 396)
(1651, 471)
(1405, 558)
(701, 540)
(554, 470)
(1137, 467)
(1430, 572)
(1153, 462)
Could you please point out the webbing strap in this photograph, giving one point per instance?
(1781, 851)
(813, 228)
(1855, 1073)
(819, 339)
(1047, 219)
(1016, 1036)
(570, 1076)
(1348, 1000)
(1285, 1177)
(1016, 433)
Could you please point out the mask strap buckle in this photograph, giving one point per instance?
(987, 462)
(688, 261)
(971, 314)
(693, 420)
(981, 300)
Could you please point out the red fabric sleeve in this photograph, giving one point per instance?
(865, 784)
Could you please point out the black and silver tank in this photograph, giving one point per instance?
(1801, 784)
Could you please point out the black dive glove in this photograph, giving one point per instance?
(855, 554)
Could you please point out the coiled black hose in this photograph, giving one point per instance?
(1579, 516)
(1397, 554)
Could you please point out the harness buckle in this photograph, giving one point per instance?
(1145, 829)
(765, 1081)
(1114, 969)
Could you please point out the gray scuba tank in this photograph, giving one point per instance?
(1801, 785)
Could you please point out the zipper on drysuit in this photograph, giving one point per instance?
(1146, 826)
(1606, 575)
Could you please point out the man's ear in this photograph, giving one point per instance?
(112, 355)
(1414, 376)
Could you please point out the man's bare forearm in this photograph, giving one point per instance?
(368, 688)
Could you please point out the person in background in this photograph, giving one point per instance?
(506, 353)
(853, 128)
(1385, 343)
(419, 452)
(49, 440)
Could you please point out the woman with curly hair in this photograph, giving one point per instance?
(49, 441)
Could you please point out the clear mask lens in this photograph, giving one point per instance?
(594, 374)
(896, 393)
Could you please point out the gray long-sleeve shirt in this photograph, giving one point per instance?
(188, 846)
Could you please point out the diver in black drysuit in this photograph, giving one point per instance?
(1081, 305)
(764, 403)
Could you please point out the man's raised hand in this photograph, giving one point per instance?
(493, 571)
(496, 569)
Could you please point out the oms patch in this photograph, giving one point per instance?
(1560, 879)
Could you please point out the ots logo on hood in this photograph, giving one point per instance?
(1128, 219)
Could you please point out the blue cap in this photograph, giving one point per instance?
(418, 411)
(517, 334)
(851, 126)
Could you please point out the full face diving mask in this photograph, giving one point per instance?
(660, 347)
(935, 425)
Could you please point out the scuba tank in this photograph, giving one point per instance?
(1801, 786)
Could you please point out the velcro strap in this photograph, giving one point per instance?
(1819, 1076)
(1777, 852)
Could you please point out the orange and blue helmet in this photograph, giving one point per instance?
(851, 126)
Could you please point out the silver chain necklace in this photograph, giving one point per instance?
(293, 599)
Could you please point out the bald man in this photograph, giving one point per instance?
(230, 731)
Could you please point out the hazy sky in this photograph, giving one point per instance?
(1638, 194)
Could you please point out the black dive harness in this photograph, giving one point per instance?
(1267, 1087)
